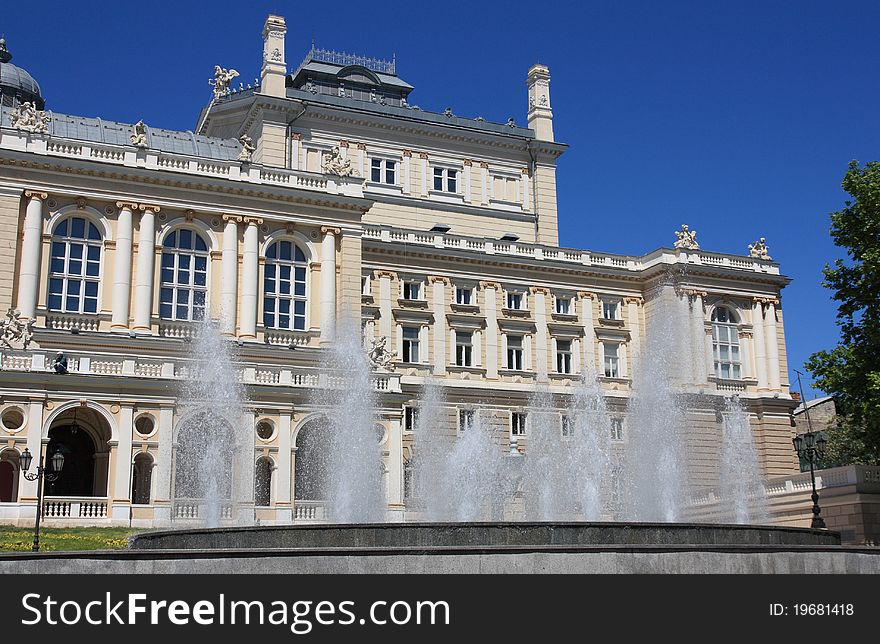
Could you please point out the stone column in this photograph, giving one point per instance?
(328, 284)
(122, 486)
(490, 293)
(589, 362)
(229, 276)
(771, 340)
(635, 328)
(163, 470)
(698, 338)
(122, 267)
(540, 304)
(283, 509)
(250, 270)
(385, 318)
(439, 348)
(31, 246)
(468, 165)
(395, 470)
(143, 290)
(760, 348)
(406, 174)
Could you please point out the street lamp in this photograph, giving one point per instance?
(811, 446)
(42, 472)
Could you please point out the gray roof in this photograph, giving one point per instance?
(330, 68)
(17, 78)
(96, 130)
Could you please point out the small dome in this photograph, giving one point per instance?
(16, 84)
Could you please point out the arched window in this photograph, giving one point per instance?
(725, 344)
(142, 476)
(74, 266)
(9, 469)
(284, 287)
(312, 469)
(263, 482)
(184, 279)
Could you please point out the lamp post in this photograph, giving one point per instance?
(42, 472)
(811, 446)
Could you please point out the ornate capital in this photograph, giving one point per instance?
(483, 164)
(765, 300)
(423, 155)
(539, 290)
(361, 146)
(692, 292)
(524, 172)
(343, 143)
(126, 205)
(468, 163)
(382, 273)
(407, 153)
(296, 136)
(145, 207)
(216, 254)
(252, 220)
(33, 194)
(488, 284)
(235, 218)
(635, 299)
(438, 279)
(331, 230)
(586, 295)
(109, 243)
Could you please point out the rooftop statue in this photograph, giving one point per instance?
(380, 357)
(686, 238)
(15, 334)
(247, 149)
(759, 249)
(139, 134)
(334, 163)
(222, 80)
(27, 117)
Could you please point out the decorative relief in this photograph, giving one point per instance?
(27, 117)
(486, 284)
(247, 149)
(539, 290)
(438, 279)
(138, 136)
(334, 163)
(222, 81)
(686, 238)
(380, 357)
(15, 333)
(759, 250)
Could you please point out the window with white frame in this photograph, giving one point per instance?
(464, 295)
(617, 429)
(366, 286)
(410, 343)
(445, 179)
(412, 290)
(567, 426)
(184, 276)
(518, 423)
(516, 300)
(467, 418)
(611, 310)
(563, 305)
(410, 418)
(515, 352)
(725, 344)
(75, 266)
(383, 171)
(612, 360)
(563, 356)
(284, 287)
(464, 348)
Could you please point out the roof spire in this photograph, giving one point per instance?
(5, 56)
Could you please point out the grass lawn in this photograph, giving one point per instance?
(22, 539)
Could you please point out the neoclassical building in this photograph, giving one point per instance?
(319, 194)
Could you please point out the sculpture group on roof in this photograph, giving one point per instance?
(686, 238)
(222, 81)
(27, 117)
(247, 148)
(759, 249)
(139, 134)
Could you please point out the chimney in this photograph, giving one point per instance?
(274, 70)
(540, 116)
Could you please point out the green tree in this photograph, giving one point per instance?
(851, 371)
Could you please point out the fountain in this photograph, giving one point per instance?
(742, 494)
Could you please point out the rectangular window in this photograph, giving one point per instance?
(518, 423)
(612, 360)
(445, 180)
(383, 171)
(609, 310)
(463, 295)
(515, 301)
(464, 349)
(725, 346)
(617, 429)
(412, 290)
(410, 344)
(410, 418)
(515, 352)
(466, 419)
(563, 356)
(563, 305)
(567, 426)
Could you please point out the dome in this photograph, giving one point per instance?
(16, 84)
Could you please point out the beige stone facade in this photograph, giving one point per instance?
(433, 206)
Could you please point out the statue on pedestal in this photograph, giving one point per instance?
(247, 149)
(759, 249)
(139, 134)
(221, 81)
(686, 238)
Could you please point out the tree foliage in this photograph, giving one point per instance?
(851, 371)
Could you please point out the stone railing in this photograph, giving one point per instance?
(93, 363)
(567, 255)
(184, 509)
(305, 511)
(129, 156)
(74, 508)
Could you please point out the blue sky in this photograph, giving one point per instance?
(738, 118)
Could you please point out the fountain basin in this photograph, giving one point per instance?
(513, 535)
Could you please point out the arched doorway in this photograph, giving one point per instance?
(9, 473)
(203, 459)
(141, 479)
(81, 435)
(311, 475)
(263, 482)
